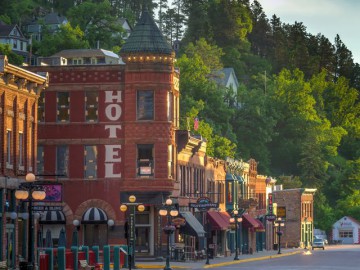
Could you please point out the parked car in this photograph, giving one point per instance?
(318, 243)
(322, 237)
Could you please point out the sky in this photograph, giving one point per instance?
(328, 17)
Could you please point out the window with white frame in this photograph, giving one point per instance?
(346, 234)
(91, 106)
(77, 61)
(63, 107)
(90, 160)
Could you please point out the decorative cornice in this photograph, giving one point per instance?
(25, 80)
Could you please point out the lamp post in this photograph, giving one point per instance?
(236, 219)
(30, 191)
(279, 223)
(169, 211)
(132, 205)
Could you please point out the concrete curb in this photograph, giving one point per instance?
(153, 266)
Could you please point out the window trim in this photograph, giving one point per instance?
(145, 165)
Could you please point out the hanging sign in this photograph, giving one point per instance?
(203, 204)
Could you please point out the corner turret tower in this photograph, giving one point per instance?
(151, 115)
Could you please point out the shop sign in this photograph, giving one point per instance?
(42, 208)
(203, 204)
(179, 221)
(281, 211)
(270, 217)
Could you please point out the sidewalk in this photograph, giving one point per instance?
(218, 261)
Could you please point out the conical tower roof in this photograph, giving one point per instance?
(146, 38)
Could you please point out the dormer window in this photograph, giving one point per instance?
(77, 61)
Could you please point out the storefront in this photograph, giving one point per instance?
(346, 230)
(220, 222)
(192, 234)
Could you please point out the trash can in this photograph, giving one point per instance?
(275, 246)
(44, 262)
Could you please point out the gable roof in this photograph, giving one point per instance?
(5, 31)
(146, 37)
(223, 76)
(54, 18)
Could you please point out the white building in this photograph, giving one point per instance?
(346, 230)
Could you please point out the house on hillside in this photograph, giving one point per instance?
(126, 26)
(227, 78)
(12, 35)
(81, 57)
(52, 21)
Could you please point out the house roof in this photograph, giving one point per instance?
(5, 30)
(85, 53)
(146, 37)
(54, 18)
(223, 76)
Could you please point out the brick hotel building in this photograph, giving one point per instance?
(107, 131)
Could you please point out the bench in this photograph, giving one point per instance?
(85, 266)
(3, 265)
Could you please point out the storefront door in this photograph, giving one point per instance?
(10, 235)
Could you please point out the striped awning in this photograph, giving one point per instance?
(94, 215)
(52, 217)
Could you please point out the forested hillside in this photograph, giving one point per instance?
(296, 110)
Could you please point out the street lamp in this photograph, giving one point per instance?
(132, 205)
(236, 219)
(169, 211)
(279, 223)
(30, 191)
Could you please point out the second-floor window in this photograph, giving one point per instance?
(90, 160)
(63, 107)
(145, 105)
(62, 160)
(8, 148)
(145, 160)
(21, 150)
(91, 106)
(41, 107)
(40, 160)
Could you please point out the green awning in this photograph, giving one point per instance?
(229, 177)
(239, 178)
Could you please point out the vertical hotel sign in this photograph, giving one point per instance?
(270, 216)
(270, 204)
(113, 113)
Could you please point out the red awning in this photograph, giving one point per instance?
(219, 220)
(252, 223)
(261, 226)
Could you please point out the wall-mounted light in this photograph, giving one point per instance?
(110, 222)
(13, 215)
(76, 222)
